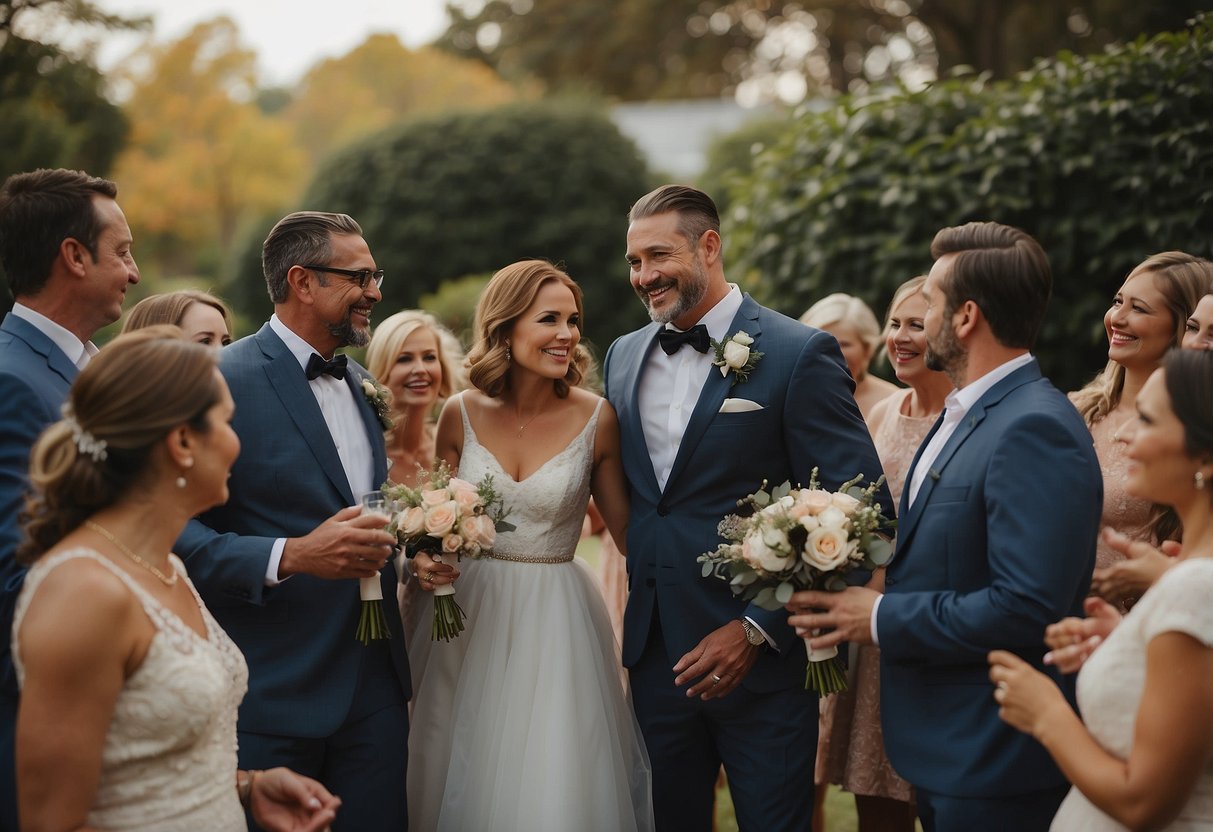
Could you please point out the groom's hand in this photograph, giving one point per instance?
(349, 544)
(846, 615)
(719, 663)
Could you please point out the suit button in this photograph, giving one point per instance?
(663, 509)
(650, 582)
(889, 581)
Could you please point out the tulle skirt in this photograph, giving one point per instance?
(523, 722)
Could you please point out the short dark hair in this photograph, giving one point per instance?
(1001, 269)
(696, 211)
(38, 211)
(298, 238)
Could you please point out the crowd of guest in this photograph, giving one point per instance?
(184, 561)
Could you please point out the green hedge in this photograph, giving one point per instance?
(1104, 159)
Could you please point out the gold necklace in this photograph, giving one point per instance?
(527, 422)
(126, 550)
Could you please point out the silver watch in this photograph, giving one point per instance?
(752, 634)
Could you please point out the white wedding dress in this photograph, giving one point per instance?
(169, 759)
(1111, 682)
(522, 723)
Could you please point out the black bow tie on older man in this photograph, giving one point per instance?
(317, 366)
(671, 340)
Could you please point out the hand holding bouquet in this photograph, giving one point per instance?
(448, 518)
(801, 538)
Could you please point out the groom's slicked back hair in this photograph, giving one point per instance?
(1004, 271)
(298, 238)
(696, 211)
(38, 211)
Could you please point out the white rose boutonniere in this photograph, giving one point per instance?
(734, 355)
(380, 399)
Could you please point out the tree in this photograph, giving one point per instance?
(1105, 160)
(467, 193)
(381, 82)
(202, 157)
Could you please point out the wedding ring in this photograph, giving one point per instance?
(429, 576)
(715, 679)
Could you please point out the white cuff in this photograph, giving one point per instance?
(271, 568)
(758, 627)
(875, 606)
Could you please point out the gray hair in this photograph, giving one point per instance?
(298, 238)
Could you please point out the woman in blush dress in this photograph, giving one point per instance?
(129, 688)
(1141, 756)
(1147, 317)
(852, 323)
(200, 315)
(522, 722)
(420, 362)
(851, 749)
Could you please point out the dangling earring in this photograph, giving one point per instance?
(181, 483)
(508, 355)
(1198, 479)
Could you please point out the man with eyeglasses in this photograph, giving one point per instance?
(277, 565)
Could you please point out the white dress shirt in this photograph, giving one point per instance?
(78, 352)
(956, 406)
(344, 420)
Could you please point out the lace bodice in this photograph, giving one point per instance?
(547, 507)
(1121, 510)
(169, 760)
(1110, 684)
(897, 440)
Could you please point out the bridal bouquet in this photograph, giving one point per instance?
(790, 539)
(448, 518)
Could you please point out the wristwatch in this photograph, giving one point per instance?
(752, 634)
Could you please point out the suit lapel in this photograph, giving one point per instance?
(714, 392)
(40, 343)
(632, 428)
(290, 384)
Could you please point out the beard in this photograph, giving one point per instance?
(945, 354)
(690, 292)
(348, 334)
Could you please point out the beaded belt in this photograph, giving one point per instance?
(529, 558)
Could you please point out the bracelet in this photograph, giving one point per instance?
(244, 785)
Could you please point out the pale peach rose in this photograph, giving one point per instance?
(440, 519)
(435, 497)
(846, 503)
(816, 500)
(826, 548)
(451, 543)
(466, 498)
(479, 529)
(411, 521)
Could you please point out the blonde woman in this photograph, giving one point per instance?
(200, 315)
(1148, 316)
(854, 325)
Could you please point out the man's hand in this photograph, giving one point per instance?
(718, 663)
(432, 574)
(847, 615)
(350, 544)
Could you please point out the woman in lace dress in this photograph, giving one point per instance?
(418, 360)
(1148, 316)
(851, 749)
(1144, 757)
(522, 724)
(129, 689)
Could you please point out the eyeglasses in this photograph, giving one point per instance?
(360, 276)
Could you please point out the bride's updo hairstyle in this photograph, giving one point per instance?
(136, 390)
(1189, 379)
(510, 293)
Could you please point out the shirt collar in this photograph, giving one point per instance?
(967, 396)
(299, 348)
(77, 352)
(720, 317)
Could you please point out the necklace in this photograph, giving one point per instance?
(527, 422)
(126, 550)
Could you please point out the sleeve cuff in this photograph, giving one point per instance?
(271, 568)
(875, 607)
(770, 641)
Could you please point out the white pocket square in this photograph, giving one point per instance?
(739, 406)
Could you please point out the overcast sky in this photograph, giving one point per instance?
(287, 35)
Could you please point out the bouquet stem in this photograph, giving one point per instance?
(448, 615)
(824, 673)
(371, 623)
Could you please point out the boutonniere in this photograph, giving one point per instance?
(734, 355)
(380, 400)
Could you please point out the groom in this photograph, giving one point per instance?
(996, 541)
(277, 564)
(714, 679)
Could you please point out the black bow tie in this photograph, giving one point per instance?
(672, 339)
(317, 366)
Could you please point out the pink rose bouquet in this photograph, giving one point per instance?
(789, 539)
(448, 518)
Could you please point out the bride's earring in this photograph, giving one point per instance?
(508, 355)
(181, 483)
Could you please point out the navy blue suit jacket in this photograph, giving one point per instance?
(999, 544)
(298, 637)
(808, 418)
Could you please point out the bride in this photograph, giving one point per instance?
(522, 723)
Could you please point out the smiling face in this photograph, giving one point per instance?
(1160, 469)
(112, 271)
(215, 451)
(341, 306)
(205, 325)
(1139, 326)
(544, 336)
(906, 338)
(1198, 332)
(416, 376)
(668, 272)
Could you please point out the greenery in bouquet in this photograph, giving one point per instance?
(448, 518)
(789, 539)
